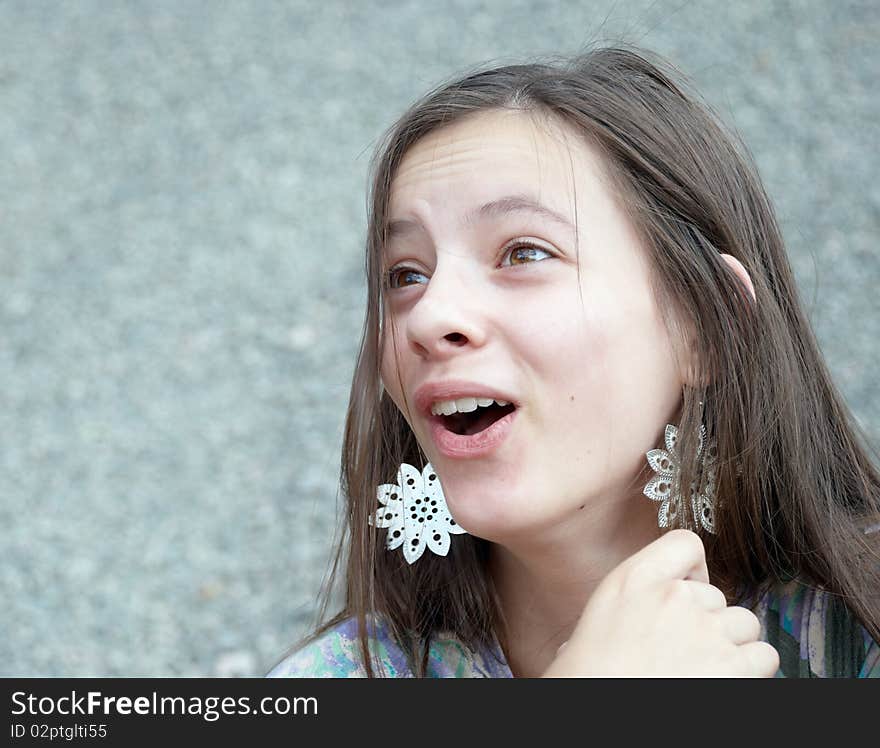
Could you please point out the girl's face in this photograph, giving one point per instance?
(515, 277)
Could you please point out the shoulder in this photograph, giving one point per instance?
(816, 634)
(449, 658)
(336, 653)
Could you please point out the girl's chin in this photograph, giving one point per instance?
(512, 521)
(492, 521)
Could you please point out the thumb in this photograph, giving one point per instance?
(678, 554)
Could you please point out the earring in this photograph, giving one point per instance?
(415, 513)
(660, 487)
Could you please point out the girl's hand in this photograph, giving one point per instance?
(656, 615)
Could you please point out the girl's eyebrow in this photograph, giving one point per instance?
(495, 209)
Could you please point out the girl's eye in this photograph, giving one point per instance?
(402, 277)
(522, 254)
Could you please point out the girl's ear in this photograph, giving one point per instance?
(741, 273)
(689, 375)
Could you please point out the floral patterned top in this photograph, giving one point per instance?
(815, 634)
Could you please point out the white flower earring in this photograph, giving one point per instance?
(415, 513)
(663, 487)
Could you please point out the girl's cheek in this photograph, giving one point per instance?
(392, 368)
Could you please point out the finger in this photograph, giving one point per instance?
(741, 625)
(707, 596)
(760, 658)
(679, 554)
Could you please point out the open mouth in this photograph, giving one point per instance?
(466, 424)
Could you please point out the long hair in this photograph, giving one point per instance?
(796, 492)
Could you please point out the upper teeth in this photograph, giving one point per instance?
(463, 405)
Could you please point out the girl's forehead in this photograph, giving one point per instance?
(489, 151)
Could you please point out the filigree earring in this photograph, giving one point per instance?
(415, 514)
(664, 487)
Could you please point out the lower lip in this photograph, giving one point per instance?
(470, 446)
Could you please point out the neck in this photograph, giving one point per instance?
(545, 581)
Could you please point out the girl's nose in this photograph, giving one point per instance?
(447, 318)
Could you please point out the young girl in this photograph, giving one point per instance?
(590, 429)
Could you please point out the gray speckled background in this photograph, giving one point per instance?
(181, 221)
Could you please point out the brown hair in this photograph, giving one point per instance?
(796, 493)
